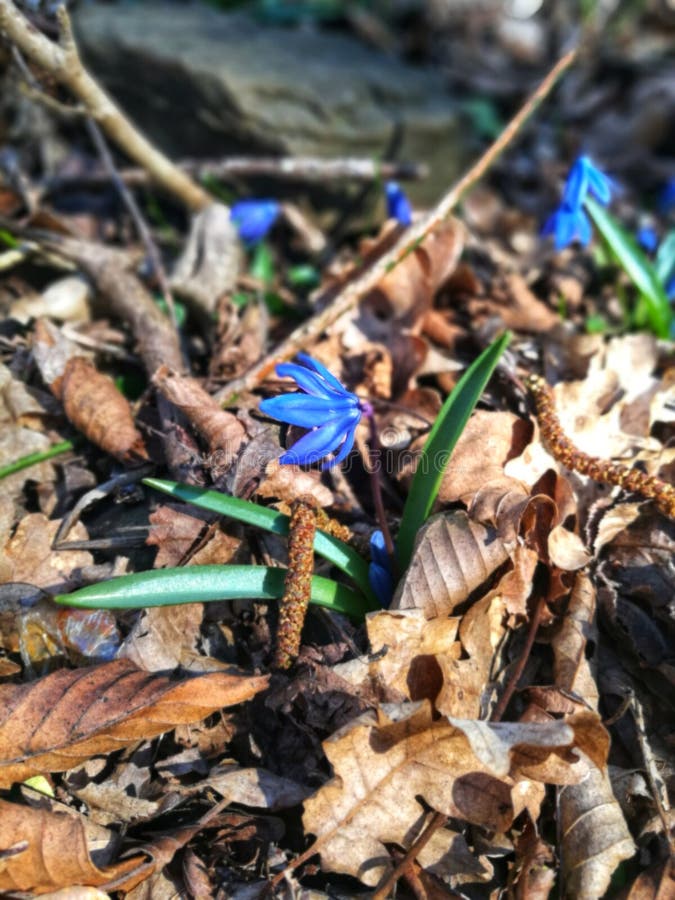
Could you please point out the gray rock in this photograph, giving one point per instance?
(204, 83)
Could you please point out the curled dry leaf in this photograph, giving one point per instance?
(572, 668)
(45, 851)
(222, 430)
(383, 763)
(59, 721)
(595, 837)
(289, 483)
(453, 556)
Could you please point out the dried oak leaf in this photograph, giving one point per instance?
(61, 720)
(43, 851)
(28, 555)
(471, 770)
(453, 556)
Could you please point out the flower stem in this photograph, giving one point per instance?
(375, 485)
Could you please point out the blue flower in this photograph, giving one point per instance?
(571, 220)
(254, 218)
(667, 196)
(647, 238)
(398, 205)
(379, 570)
(322, 399)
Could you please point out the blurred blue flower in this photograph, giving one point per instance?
(322, 399)
(647, 238)
(254, 218)
(398, 205)
(571, 220)
(379, 570)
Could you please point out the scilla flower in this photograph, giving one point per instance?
(322, 405)
(379, 570)
(254, 218)
(571, 220)
(398, 205)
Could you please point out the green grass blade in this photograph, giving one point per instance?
(166, 587)
(441, 442)
(33, 458)
(331, 548)
(638, 268)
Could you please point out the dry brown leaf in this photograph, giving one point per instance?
(28, 556)
(90, 399)
(571, 667)
(384, 763)
(516, 305)
(222, 430)
(406, 649)
(164, 637)
(251, 787)
(566, 550)
(44, 851)
(289, 483)
(59, 721)
(595, 837)
(453, 556)
(655, 883)
(465, 677)
(488, 441)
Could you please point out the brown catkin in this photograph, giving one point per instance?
(298, 585)
(603, 470)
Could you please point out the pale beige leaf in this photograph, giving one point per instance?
(566, 549)
(453, 556)
(383, 764)
(406, 648)
(254, 787)
(164, 637)
(28, 555)
(594, 836)
(571, 667)
(488, 441)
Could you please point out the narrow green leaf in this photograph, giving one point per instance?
(441, 442)
(331, 548)
(665, 259)
(636, 265)
(33, 458)
(191, 584)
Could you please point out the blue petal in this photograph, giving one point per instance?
(304, 410)
(254, 218)
(576, 185)
(600, 185)
(381, 582)
(346, 447)
(398, 205)
(321, 370)
(308, 381)
(647, 238)
(378, 548)
(583, 226)
(315, 445)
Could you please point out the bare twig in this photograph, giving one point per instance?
(438, 820)
(134, 211)
(411, 238)
(301, 168)
(62, 61)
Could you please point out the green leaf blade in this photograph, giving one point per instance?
(638, 268)
(201, 584)
(441, 442)
(331, 548)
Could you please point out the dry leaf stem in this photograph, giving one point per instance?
(62, 61)
(604, 470)
(438, 820)
(411, 238)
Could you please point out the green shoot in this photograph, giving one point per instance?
(441, 442)
(34, 458)
(192, 584)
(335, 551)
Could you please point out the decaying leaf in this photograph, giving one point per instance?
(453, 556)
(594, 834)
(221, 429)
(470, 770)
(45, 850)
(68, 716)
(91, 400)
(28, 555)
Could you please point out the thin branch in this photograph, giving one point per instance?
(301, 168)
(62, 61)
(411, 238)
